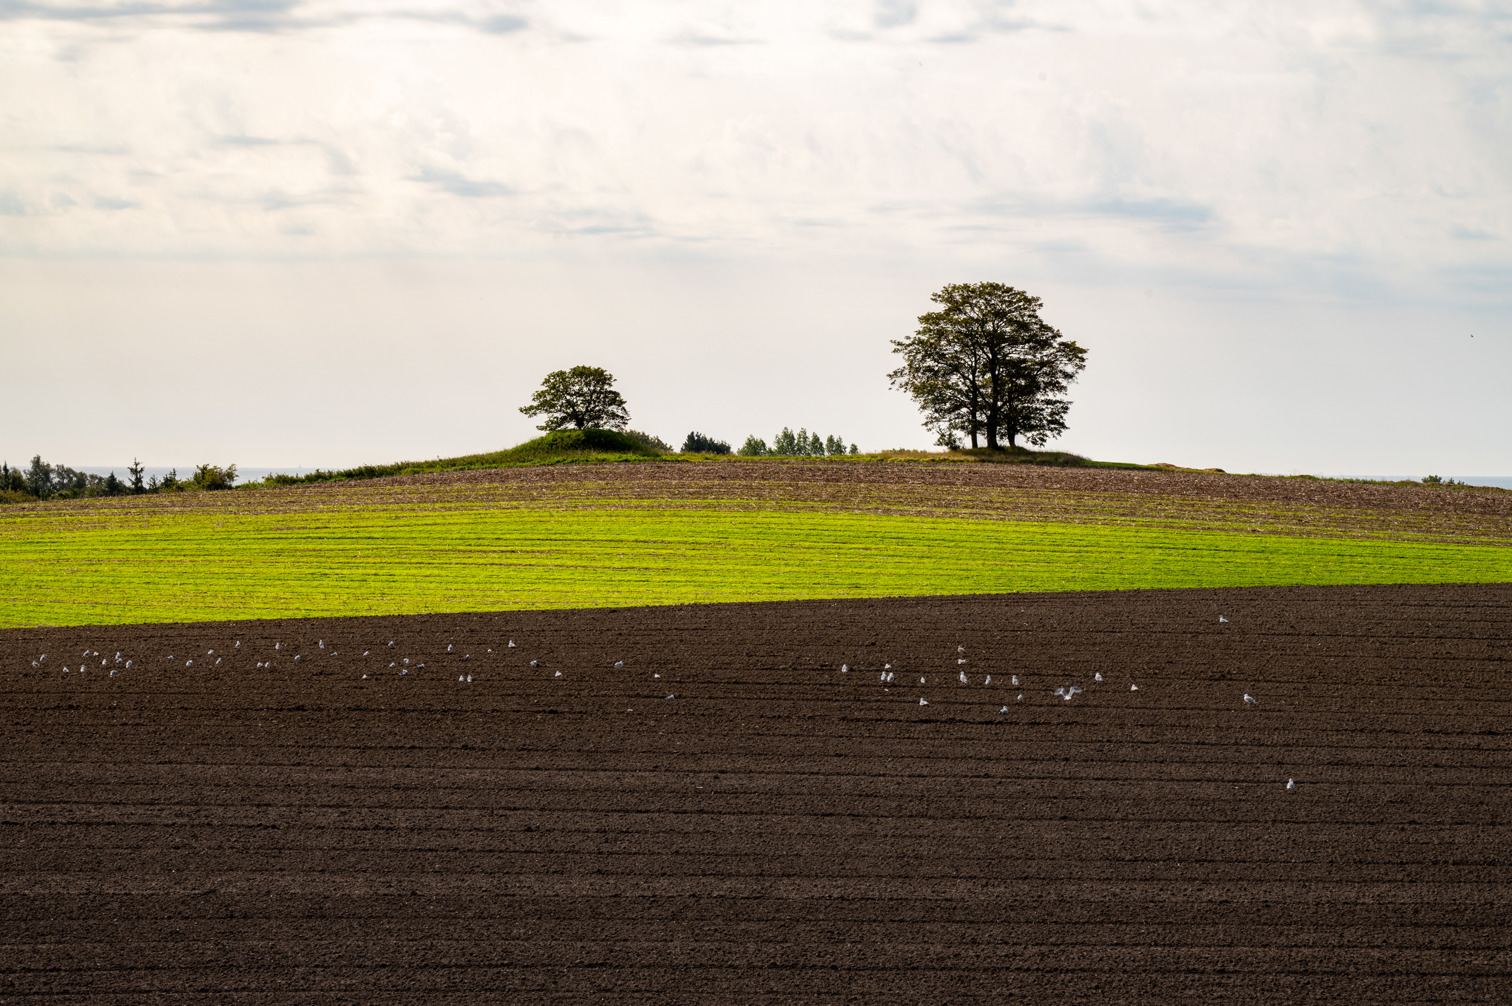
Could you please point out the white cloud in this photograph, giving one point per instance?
(1342, 152)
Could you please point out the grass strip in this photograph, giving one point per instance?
(59, 567)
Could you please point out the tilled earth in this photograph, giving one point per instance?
(730, 816)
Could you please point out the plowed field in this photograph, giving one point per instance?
(731, 817)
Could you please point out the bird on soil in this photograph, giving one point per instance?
(988, 681)
(844, 668)
(533, 664)
(619, 663)
(1291, 787)
(1066, 693)
(923, 702)
(1222, 619)
(559, 674)
(1251, 699)
(1097, 676)
(963, 677)
(511, 644)
(1014, 681)
(1133, 688)
(1003, 710)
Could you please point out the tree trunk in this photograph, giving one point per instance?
(973, 438)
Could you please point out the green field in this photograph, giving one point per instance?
(76, 564)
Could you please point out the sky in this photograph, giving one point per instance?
(283, 233)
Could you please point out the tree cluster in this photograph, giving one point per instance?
(42, 481)
(697, 443)
(802, 444)
(986, 364)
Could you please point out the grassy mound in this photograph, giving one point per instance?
(553, 448)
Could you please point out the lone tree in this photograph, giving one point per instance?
(581, 398)
(986, 363)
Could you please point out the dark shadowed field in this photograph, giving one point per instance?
(754, 824)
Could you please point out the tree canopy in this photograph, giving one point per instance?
(985, 363)
(581, 398)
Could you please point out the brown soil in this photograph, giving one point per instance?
(1181, 499)
(779, 831)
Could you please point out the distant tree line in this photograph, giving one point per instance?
(802, 444)
(42, 481)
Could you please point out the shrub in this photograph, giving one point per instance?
(213, 478)
(754, 447)
(647, 440)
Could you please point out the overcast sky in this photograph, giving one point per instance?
(281, 233)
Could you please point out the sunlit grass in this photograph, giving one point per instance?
(69, 566)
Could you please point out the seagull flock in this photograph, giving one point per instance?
(403, 667)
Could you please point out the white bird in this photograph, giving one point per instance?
(559, 674)
(921, 681)
(392, 664)
(1003, 710)
(533, 663)
(1133, 688)
(656, 675)
(963, 677)
(1222, 619)
(190, 663)
(405, 660)
(364, 677)
(238, 644)
(297, 656)
(448, 650)
(962, 660)
(988, 681)
(960, 649)
(366, 652)
(128, 663)
(671, 696)
(467, 656)
(1097, 676)
(42, 659)
(259, 665)
(208, 653)
(1251, 699)
(887, 667)
(1021, 697)
(460, 677)
(112, 672)
(844, 668)
(1015, 681)
(619, 663)
(34, 663)
(217, 661)
(1066, 693)
(391, 644)
(923, 702)
(404, 670)
(511, 644)
(469, 679)
(419, 667)
(279, 646)
(322, 644)
(1291, 787)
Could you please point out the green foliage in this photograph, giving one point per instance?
(135, 469)
(986, 363)
(647, 440)
(211, 478)
(581, 398)
(382, 554)
(802, 444)
(697, 443)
